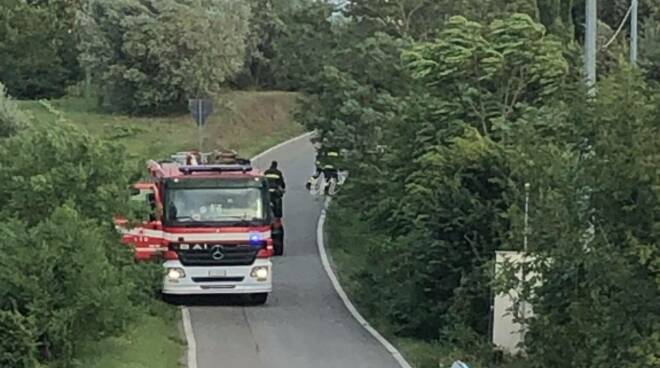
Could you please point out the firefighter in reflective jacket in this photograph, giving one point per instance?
(327, 163)
(276, 187)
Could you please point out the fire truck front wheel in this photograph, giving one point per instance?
(258, 298)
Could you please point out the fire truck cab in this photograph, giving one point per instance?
(211, 224)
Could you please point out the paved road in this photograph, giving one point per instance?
(304, 324)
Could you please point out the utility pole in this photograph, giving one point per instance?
(523, 303)
(590, 44)
(633, 32)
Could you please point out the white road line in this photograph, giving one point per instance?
(277, 146)
(185, 312)
(190, 338)
(344, 298)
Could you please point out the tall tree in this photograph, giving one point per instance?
(491, 72)
(147, 57)
(30, 63)
(415, 18)
(265, 26)
(304, 47)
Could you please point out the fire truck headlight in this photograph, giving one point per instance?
(175, 273)
(260, 273)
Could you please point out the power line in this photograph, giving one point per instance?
(625, 18)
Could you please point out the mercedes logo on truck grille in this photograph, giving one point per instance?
(216, 253)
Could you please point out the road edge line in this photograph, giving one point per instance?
(191, 351)
(280, 145)
(320, 236)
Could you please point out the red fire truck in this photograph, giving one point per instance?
(213, 226)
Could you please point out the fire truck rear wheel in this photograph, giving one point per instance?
(258, 298)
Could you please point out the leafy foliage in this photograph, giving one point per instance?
(399, 18)
(489, 73)
(34, 56)
(650, 49)
(67, 278)
(265, 26)
(11, 119)
(588, 315)
(421, 19)
(147, 57)
(442, 136)
(54, 270)
(308, 34)
(38, 167)
(17, 340)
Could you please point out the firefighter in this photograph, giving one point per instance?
(327, 162)
(276, 187)
(193, 158)
(314, 178)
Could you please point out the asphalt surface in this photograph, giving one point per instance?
(304, 324)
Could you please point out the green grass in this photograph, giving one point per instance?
(248, 122)
(153, 342)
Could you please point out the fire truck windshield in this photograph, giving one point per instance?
(195, 205)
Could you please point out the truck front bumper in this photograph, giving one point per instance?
(216, 280)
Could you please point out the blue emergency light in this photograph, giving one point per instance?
(255, 239)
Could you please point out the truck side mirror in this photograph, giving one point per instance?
(151, 198)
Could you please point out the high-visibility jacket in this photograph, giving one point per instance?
(328, 159)
(275, 180)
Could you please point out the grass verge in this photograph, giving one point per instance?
(153, 342)
(248, 122)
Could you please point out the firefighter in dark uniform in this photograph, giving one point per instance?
(276, 187)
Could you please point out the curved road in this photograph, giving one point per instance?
(304, 324)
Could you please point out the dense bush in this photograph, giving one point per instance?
(66, 278)
(11, 118)
(589, 313)
(58, 274)
(18, 338)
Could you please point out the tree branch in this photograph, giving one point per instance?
(521, 87)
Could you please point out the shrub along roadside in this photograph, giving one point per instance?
(351, 242)
(66, 278)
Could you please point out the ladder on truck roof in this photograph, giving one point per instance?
(224, 162)
(156, 169)
(237, 167)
